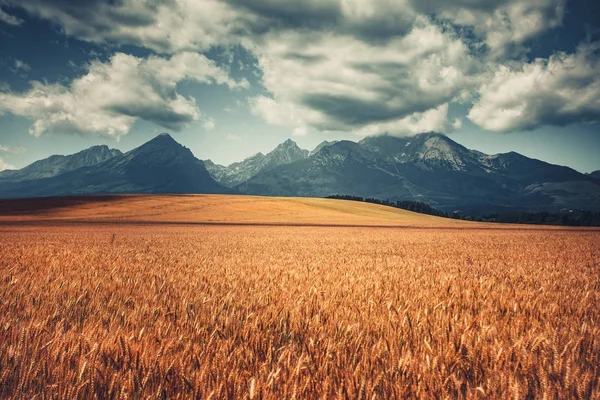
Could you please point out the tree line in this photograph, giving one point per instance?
(564, 218)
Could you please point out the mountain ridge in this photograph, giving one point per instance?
(595, 174)
(239, 172)
(58, 164)
(429, 167)
(160, 165)
(432, 168)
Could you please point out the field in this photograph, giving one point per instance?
(245, 297)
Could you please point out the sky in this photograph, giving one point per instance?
(230, 78)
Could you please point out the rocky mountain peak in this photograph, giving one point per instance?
(288, 151)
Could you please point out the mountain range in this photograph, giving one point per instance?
(159, 166)
(429, 167)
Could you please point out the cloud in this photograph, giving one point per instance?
(209, 124)
(165, 26)
(9, 19)
(561, 90)
(169, 26)
(339, 83)
(200, 24)
(428, 121)
(20, 68)
(111, 96)
(9, 150)
(329, 65)
(503, 25)
(300, 131)
(4, 165)
(12, 150)
(457, 124)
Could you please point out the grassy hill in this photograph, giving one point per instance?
(214, 209)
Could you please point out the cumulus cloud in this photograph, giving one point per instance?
(199, 24)
(111, 96)
(169, 26)
(503, 25)
(331, 65)
(557, 91)
(166, 26)
(9, 19)
(339, 83)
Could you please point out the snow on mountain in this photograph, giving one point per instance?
(239, 172)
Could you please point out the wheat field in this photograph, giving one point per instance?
(172, 310)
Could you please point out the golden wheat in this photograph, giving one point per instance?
(168, 311)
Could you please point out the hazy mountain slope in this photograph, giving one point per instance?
(237, 173)
(160, 166)
(58, 164)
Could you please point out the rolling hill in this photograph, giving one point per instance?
(213, 209)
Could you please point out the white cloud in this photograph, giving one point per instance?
(12, 150)
(9, 150)
(112, 95)
(167, 26)
(330, 65)
(560, 90)
(340, 83)
(431, 120)
(4, 165)
(209, 124)
(300, 131)
(9, 19)
(504, 25)
(170, 26)
(457, 124)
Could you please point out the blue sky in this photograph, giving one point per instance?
(230, 78)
